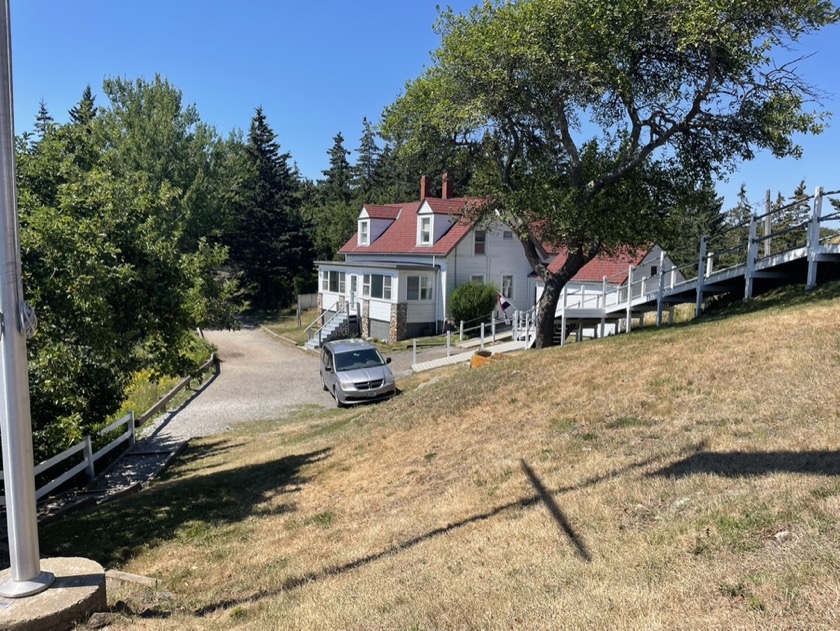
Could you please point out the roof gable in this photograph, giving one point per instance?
(613, 266)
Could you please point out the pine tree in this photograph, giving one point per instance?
(364, 172)
(792, 220)
(269, 241)
(44, 123)
(84, 111)
(334, 210)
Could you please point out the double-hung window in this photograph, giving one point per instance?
(425, 230)
(507, 286)
(480, 242)
(419, 288)
(364, 232)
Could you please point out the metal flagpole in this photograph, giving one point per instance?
(15, 319)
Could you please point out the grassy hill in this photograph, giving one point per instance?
(681, 478)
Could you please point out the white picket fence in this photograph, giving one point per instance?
(89, 457)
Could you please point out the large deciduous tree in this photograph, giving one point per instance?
(594, 117)
(115, 282)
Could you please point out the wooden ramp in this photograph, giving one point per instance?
(460, 358)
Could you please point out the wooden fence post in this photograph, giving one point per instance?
(814, 239)
(701, 276)
(627, 325)
(88, 455)
(660, 298)
(752, 254)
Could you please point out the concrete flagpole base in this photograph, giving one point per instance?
(77, 592)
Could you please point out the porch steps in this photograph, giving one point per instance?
(325, 334)
(505, 347)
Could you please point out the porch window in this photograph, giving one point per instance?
(480, 242)
(419, 288)
(425, 230)
(364, 233)
(376, 286)
(337, 282)
(325, 280)
(507, 286)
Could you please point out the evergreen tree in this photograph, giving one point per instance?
(269, 240)
(84, 111)
(44, 123)
(699, 214)
(792, 220)
(737, 220)
(334, 210)
(364, 173)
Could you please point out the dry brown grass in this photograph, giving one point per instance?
(691, 476)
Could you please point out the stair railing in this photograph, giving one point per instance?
(345, 310)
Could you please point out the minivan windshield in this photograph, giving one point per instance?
(362, 358)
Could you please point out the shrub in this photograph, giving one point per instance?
(472, 301)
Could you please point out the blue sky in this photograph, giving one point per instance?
(316, 67)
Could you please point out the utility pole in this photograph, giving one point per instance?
(16, 320)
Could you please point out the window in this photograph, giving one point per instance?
(353, 285)
(653, 270)
(507, 235)
(425, 230)
(333, 281)
(477, 278)
(376, 286)
(419, 288)
(364, 233)
(507, 286)
(480, 242)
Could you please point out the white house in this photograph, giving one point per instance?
(405, 260)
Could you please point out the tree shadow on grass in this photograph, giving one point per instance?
(113, 533)
(542, 495)
(736, 464)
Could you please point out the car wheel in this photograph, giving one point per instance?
(338, 402)
(324, 385)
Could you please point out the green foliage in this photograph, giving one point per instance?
(472, 301)
(571, 110)
(268, 238)
(110, 205)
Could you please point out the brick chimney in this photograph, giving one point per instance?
(447, 187)
(424, 187)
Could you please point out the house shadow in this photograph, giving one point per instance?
(115, 532)
(736, 464)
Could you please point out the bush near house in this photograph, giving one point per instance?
(472, 301)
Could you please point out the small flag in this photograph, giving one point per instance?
(503, 305)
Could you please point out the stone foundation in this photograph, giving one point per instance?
(399, 326)
(365, 318)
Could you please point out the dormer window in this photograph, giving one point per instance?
(425, 231)
(364, 232)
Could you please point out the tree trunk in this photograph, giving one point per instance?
(546, 308)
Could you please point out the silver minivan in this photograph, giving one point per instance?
(354, 371)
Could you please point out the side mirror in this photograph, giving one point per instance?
(327, 368)
(387, 360)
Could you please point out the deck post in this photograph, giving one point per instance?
(768, 224)
(461, 333)
(814, 239)
(414, 351)
(88, 454)
(659, 296)
(563, 317)
(482, 337)
(629, 298)
(604, 306)
(493, 329)
(448, 343)
(701, 276)
(752, 254)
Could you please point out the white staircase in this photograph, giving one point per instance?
(319, 337)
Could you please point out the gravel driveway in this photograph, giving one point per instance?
(261, 378)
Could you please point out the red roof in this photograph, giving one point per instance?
(401, 236)
(614, 267)
(389, 211)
